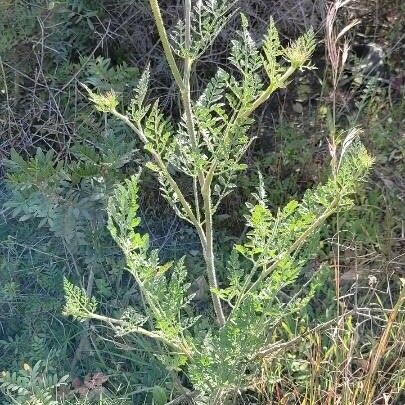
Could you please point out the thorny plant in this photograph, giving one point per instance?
(207, 146)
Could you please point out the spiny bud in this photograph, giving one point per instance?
(107, 102)
(300, 51)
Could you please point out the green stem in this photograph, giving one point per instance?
(127, 121)
(186, 99)
(210, 257)
(264, 96)
(186, 90)
(204, 183)
(165, 42)
(208, 210)
(187, 18)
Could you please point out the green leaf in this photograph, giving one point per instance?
(78, 304)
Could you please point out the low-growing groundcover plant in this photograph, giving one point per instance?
(218, 358)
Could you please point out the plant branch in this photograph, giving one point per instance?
(297, 244)
(144, 332)
(275, 347)
(276, 261)
(265, 95)
(158, 160)
(127, 121)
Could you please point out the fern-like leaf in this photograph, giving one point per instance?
(78, 304)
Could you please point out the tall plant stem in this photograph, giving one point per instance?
(186, 89)
(165, 42)
(186, 100)
(203, 184)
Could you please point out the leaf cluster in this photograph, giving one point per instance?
(31, 385)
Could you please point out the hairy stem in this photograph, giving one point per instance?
(186, 99)
(208, 241)
(185, 91)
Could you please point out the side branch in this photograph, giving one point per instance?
(298, 243)
(144, 332)
(158, 160)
